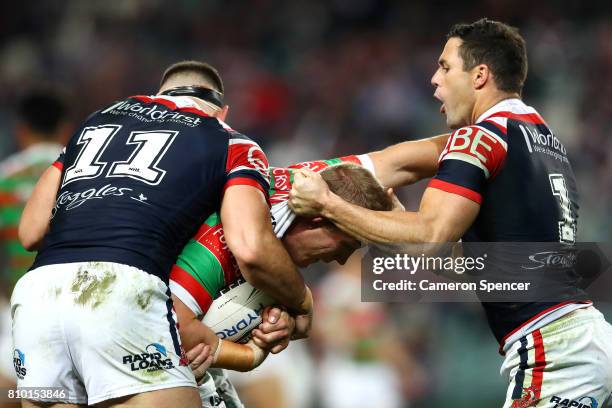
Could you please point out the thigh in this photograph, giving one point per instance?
(184, 397)
(34, 404)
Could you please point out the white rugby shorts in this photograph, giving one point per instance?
(567, 363)
(98, 330)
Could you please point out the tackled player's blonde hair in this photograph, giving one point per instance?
(358, 186)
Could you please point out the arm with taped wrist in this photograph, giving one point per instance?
(238, 357)
(226, 354)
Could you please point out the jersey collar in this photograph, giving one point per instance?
(501, 106)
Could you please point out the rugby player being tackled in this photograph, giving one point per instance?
(206, 265)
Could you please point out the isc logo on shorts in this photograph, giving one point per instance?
(153, 359)
(19, 363)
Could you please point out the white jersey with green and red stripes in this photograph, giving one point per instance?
(206, 265)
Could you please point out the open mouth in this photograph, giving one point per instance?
(442, 107)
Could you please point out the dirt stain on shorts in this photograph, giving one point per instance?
(92, 288)
(144, 299)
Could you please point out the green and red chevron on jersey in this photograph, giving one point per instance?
(281, 178)
(206, 265)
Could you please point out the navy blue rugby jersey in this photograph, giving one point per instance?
(139, 177)
(512, 164)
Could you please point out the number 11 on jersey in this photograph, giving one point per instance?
(141, 164)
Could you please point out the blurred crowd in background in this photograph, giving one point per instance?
(320, 79)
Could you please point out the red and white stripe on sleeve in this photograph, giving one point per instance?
(246, 164)
(472, 156)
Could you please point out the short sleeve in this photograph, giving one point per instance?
(472, 157)
(246, 164)
(281, 178)
(204, 267)
(59, 162)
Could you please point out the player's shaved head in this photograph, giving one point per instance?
(191, 73)
(358, 186)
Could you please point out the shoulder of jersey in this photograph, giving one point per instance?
(515, 111)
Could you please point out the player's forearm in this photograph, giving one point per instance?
(270, 269)
(228, 355)
(383, 227)
(408, 162)
(194, 332)
(238, 357)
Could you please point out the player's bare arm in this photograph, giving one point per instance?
(225, 354)
(408, 162)
(263, 260)
(442, 216)
(35, 218)
(200, 360)
(229, 355)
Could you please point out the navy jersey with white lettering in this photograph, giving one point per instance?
(138, 178)
(511, 163)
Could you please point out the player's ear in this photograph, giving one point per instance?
(481, 74)
(313, 222)
(318, 220)
(223, 112)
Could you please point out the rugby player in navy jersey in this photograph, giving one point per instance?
(501, 176)
(94, 315)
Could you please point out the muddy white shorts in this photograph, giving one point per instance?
(218, 392)
(97, 330)
(567, 363)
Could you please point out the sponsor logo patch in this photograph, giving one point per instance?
(19, 363)
(528, 399)
(154, 358)
(582, 402)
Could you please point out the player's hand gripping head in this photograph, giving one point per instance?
(314, 238)
(308, 193)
